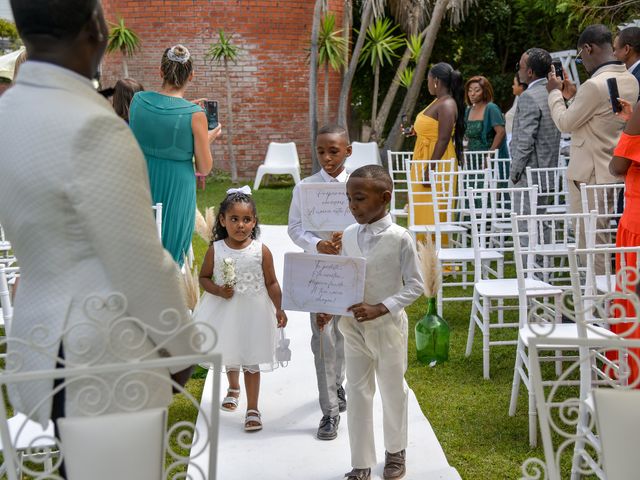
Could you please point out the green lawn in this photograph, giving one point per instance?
(468, 414)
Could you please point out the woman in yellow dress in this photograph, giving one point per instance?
(439, 131)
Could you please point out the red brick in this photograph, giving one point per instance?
(270, 82)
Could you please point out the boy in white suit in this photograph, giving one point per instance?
(376, 335)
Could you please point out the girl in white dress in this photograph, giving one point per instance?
(242, 300)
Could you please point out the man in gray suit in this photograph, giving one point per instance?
(535, 141)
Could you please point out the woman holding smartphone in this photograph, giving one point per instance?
(172, 131)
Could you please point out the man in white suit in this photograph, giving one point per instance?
(75, 204)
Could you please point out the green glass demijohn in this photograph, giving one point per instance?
(432, 336)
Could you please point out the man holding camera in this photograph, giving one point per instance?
(589, 116)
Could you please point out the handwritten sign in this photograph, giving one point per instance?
(325, 207)
(322, 283)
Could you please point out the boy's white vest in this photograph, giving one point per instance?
(384, 270)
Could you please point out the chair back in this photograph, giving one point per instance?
(116, 401)
(500, 168)
(362, 154)
(541, 247)
(5, 301)
(452, 208)
(157, 211)
(552, 187)
(421, 198)
(397, 165)
(478, 159)
(282, 155)
(491, 210)
(604, 199)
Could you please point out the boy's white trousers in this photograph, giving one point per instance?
(375, 350)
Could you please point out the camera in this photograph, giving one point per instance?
(212, 114)
(557, 67)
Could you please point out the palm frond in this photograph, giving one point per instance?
(428, 257)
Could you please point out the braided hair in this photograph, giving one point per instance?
(219, 230)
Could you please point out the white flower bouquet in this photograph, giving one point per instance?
(229, 272)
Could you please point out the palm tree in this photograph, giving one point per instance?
(124, 40)
(379, 49)
(456, 11)
(318, 8)
(332, 49)
(225, 52)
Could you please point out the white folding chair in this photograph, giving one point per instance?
(607, 311)
(420, 195)
(281, 159)
(5, 299)
(603, 198)
(500, 168)
(539, 301)
(552, 187)
(397, 164)
(450, 211)
(478, 159)
(118, 392)
(157, 211)
(491, 289)
(558, 404)
(362, 154)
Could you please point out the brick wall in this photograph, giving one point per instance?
(270, 81)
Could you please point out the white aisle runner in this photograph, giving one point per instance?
(287, 448)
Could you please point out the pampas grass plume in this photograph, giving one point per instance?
(204, 224)
(192, 289)
(428, 258)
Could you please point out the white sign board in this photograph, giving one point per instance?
(325, 207)
(322, 283)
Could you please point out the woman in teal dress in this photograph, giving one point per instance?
(484, 122)
(172, 131)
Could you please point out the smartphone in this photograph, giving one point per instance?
(612, 85)
(406, 129)
(212, 114)
(557, 66)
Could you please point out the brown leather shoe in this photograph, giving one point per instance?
(359, 474)
(394, 465)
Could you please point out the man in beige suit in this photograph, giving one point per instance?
(75, 204)
(587, 113)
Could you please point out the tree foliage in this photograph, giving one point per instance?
(8, 30)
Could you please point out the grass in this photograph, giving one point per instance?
(468, 414)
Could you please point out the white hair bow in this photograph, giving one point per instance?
(175, 57)
(245, 190)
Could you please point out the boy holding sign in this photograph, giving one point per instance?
(333, 148)
(376, 335)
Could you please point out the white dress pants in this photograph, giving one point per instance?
(375, 350)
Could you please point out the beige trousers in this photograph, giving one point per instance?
(375, 350)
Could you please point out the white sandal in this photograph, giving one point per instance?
(229, 400)
(252, 416)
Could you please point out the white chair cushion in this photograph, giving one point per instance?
(126, 446)
(561, 330)
(618, 418)
(508, 288)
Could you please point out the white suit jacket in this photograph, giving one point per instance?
(75, 204)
